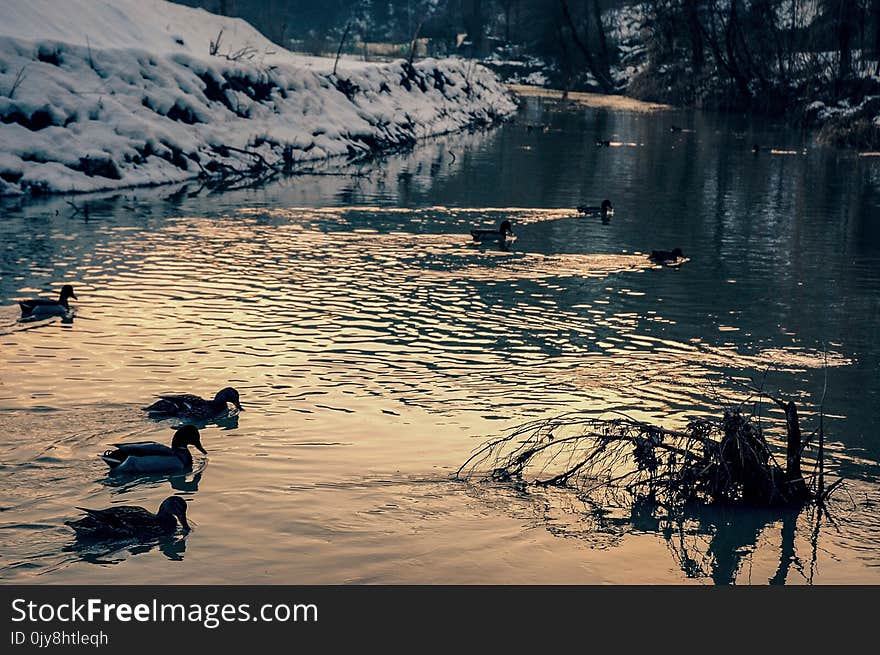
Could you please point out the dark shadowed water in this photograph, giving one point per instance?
(374, 347)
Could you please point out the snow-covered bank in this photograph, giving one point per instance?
(103, 94)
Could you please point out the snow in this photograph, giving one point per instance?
(537, 78)
(104, 94)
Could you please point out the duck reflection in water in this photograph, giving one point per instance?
(35, 321)
(102, 554)
(178, 481)
(228, 422)
(224, 422)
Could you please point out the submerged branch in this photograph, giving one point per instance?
(724, 461)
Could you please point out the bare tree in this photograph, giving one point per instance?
(597, 63)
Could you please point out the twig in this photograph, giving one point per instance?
(19, 78)
(77, 209)
(413, 43)
(214, 46)
(247, 52)
(256, 155)
(341, 42)
(91, 61)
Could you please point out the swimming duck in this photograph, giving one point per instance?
(504, 231)
(152, 457)
(46, 307)
(593, 210)
(663, 256)
(194, 407)
(131, 522)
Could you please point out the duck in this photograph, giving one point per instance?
(131, 522)
(593, 210)
(504, 232)
(194, 407)
(46, 307)
(663, 256)
(152, 457)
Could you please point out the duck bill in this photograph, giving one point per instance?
(200, 448)
(238, 407)
(183, 523)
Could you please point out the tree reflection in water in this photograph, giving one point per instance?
(715, 542)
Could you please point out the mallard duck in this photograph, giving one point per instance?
(593, 210)
(131, 522)
(152, 457)
(46, 307)
(504, 232)
(663, 256)
(194, 407)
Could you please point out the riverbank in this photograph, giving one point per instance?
(100, 95)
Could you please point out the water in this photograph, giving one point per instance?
(375, 347)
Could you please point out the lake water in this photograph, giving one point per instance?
(375, 347)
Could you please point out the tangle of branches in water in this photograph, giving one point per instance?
(727, 461)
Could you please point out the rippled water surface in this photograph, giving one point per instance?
(374, 347)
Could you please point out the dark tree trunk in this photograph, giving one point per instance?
(474, 24)
(845, 28)
(733, 65)
(875, 34)
(604, 62)
(696, 34)
(797, 488)
(565, 63)
(508, 10)
(601, 77)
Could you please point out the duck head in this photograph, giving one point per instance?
(677, 253)
(228, 395)
(606, 206)
(188, 435)
(506, 227)
(175, 506)
(67, 292)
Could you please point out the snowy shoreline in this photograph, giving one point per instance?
(98, 95)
